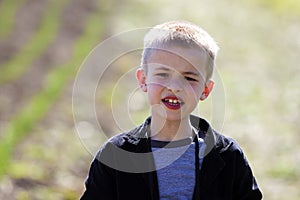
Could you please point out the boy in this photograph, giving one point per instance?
(173, 155)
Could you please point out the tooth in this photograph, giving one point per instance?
(173, 101)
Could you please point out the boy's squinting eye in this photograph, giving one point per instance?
(162, 74)
(190, 78)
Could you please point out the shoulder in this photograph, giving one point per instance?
(120, 141)
(214, 140)
(128, 140)
(224, 143)
(229, 148)
(132, 137)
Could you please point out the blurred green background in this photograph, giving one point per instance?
(44, 42)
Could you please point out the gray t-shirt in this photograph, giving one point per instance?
(175, 165)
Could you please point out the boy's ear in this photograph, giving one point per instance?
(141, 78)
(207, 90)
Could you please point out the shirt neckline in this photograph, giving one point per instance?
(171, 144)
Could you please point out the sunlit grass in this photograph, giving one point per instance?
(284, 171)
(281, 7)
(37, 45)
(8, 9)
(55, 84)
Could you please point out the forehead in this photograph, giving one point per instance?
(179, 58)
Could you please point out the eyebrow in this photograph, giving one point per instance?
(185, 73)
(191, 73)
(163, 68)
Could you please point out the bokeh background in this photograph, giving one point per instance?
(44, 42)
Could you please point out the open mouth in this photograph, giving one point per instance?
(172, 103)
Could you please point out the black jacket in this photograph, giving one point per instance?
(123, 169)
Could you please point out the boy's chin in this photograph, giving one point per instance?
(176, 118)
(160, 111)
(172, 117)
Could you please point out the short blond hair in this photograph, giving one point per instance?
(183, 33)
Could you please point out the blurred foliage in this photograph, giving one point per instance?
(39, 105)
(38, 44)
(7, 15)
(281, 7)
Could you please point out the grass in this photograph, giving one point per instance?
(8, 9)
(55, 84)
(281, 7)
(38, 43)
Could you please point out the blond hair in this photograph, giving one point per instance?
(182, 33)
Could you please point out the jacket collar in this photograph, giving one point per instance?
(142, 134)
(212, 163)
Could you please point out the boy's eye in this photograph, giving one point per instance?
(162, 74)
(190, 78)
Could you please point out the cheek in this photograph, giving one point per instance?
(154, 93)
(158, 82)
(195, 91)
(154, 87)
(198, 90)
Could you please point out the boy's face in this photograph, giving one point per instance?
(175, 81)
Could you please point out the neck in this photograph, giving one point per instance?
(167, 130)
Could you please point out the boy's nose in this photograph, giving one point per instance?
(175, 85)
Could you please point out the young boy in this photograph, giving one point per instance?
(173, 154)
